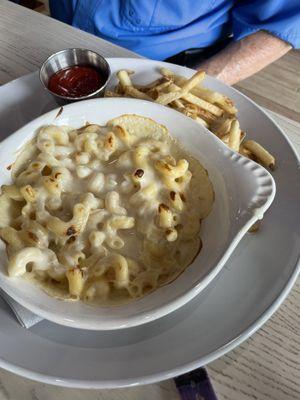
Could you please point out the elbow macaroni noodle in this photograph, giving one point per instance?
(103, 214)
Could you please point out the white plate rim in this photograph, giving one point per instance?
(253, 327)
(161, 376)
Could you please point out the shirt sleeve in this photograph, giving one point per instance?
(278, 17)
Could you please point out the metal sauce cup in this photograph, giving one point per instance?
(69, 58)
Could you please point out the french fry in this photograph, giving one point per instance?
(166, 98)
(221, 126)
(246, 153)
(201, 121)
(137, 94)
(187, 85)
(206, 115)
(193, 116)
(242, 137)
(109, 93)
(166, 72)
(119, 89)
(161, 86)
(260, 153)
(178, 103)
(188, 113)
(173, 105)
(227, 105)
(155, 91)
(207, 94)
(203, 92)
(141, 89)
(209, 108)
(124, 78)
(178, 91)
(203, 104)
(225, 139)
(190, 107)
(234, 135)
(193, 81)
(255, 227)
(200, 91)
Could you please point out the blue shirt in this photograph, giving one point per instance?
(161, 28)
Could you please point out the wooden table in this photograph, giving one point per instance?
(266, 366)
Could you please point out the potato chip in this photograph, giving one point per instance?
(140, 126)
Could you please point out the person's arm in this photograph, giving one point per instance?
(245, 57)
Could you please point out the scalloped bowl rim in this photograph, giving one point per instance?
(99, 319)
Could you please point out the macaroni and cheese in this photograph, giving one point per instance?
(104, 214)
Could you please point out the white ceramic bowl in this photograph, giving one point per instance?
(243, 192)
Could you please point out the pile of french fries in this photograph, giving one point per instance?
(207, 107)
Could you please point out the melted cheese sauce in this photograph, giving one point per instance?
(87, 167)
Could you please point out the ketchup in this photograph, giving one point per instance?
(76, 81)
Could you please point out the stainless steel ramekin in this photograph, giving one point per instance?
(71, 57)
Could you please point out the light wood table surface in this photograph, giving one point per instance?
(266, 366)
